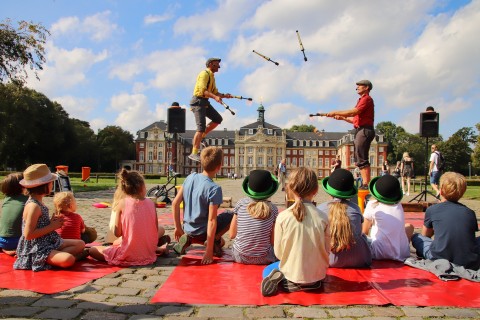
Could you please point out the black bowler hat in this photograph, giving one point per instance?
(340, 184)
(260, 184)
(386, 189)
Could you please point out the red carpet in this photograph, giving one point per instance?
(387, 282)
(415, 218)
(51, 281)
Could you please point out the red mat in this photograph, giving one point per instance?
(387, 282)
(415, 218)
(51, 281)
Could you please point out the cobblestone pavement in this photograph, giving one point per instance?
(126, 293)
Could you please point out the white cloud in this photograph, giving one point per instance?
(79, 108)
(153, 19)
(133, 111)
(98, 26)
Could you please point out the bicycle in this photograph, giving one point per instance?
(162, 193)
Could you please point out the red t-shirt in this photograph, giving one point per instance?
(366, 115)
(72, 226)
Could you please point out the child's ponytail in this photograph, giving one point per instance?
(259, 209)
(340, 228)
(302, 182)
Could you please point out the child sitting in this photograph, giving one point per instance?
(389, 235)
(349, 246)
(73, 225)
(136, 222)
(201, 198)
(11, 214)
(453, 224)
(110, 236)
(302, 240)
(254, 219)
(40, 247)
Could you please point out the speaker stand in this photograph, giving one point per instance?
(423, 194)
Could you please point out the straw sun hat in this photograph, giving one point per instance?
(36, 175)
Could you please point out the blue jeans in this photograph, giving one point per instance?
(422, 245)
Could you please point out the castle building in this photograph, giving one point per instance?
(259, 145)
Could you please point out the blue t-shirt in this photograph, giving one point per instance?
(199, 192)
(454, 226)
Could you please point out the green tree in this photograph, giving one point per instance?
(391, 133)
(114, 144)
(85, 152)
(20, 48)
(302, 128)
(476, 152)
(457, 151)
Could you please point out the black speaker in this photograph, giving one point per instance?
(176, 120)
(429, 124)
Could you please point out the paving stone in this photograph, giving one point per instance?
(55, 303)
(175, 311)
(97, 315)
(137, 308)
(96, 305)
(18, 293)
(108, 282)
(264, 312)
(138, 284)
(93, 297)
(218, 312)
(120, 291)
(55, 313)
(386, 311)
(11, 301)
(85, 289)
(350, 312)
(143, 317)
(184, 318)
(133, 276)
(156, 278)
(20, 311)
(304, 312)
(128, 299)
(421, 312)
(148, 272)
(460, 313)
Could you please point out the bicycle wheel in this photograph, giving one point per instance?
(157, 192)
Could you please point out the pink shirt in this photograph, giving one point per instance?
(139, 235)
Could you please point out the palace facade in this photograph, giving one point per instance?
(259, 145)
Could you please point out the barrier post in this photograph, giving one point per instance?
(362, 194)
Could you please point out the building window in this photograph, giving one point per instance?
(300, 162)
(141, 156)
(240, 159)
(300, 143)
(225, 161)
(250, 131)
(288, 152)
(334, 152)
(269, 150)
(260, 150)
(380, 159)
(372, 159)
(327, 162)
(352, 148)
(150, 144)
(314, 162)
(294, 162)
(160, 156)
(352, 159)
(232, 151)
(225, 142)
(294, 143)
(160, 145)
(142, 145)
(320, 173)
(219, 142)
(327, 152)
(380, 149)
(320, 152)
(279, 151)
(150, 168)
(294, 152)
(232, 161)
(320, 162)
(150, 155)
(241, 150)
(300, 152)
(269, 131)
(250, 149)
(270, 161)
(260, 161)
(250, 161)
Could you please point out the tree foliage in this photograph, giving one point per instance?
(476, 152)
(21, 48)
(302, 128)
(114, 144)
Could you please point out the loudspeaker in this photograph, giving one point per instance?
(429, 124)
(176, 120)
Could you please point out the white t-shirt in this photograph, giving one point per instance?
(389, 240)
(434, 158)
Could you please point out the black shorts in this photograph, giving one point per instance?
(202, 109)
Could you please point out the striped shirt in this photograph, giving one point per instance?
(253, 235)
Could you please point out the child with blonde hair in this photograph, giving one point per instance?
(349, 247)
(136, 222)
(254, 219)
(453, 224)
(11, 214)
(73, 225)
(301, 240)
(40, 247)
(110, 236)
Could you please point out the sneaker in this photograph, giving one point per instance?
(183, 243)
(194, 157)
(270, 283)
(204, 143)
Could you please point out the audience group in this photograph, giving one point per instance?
(296, 245)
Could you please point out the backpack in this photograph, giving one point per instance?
(440, 161)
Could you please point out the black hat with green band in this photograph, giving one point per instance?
(260, 184)
(340, 184)
(386, 189)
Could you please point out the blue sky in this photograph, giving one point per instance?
(123, 62)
